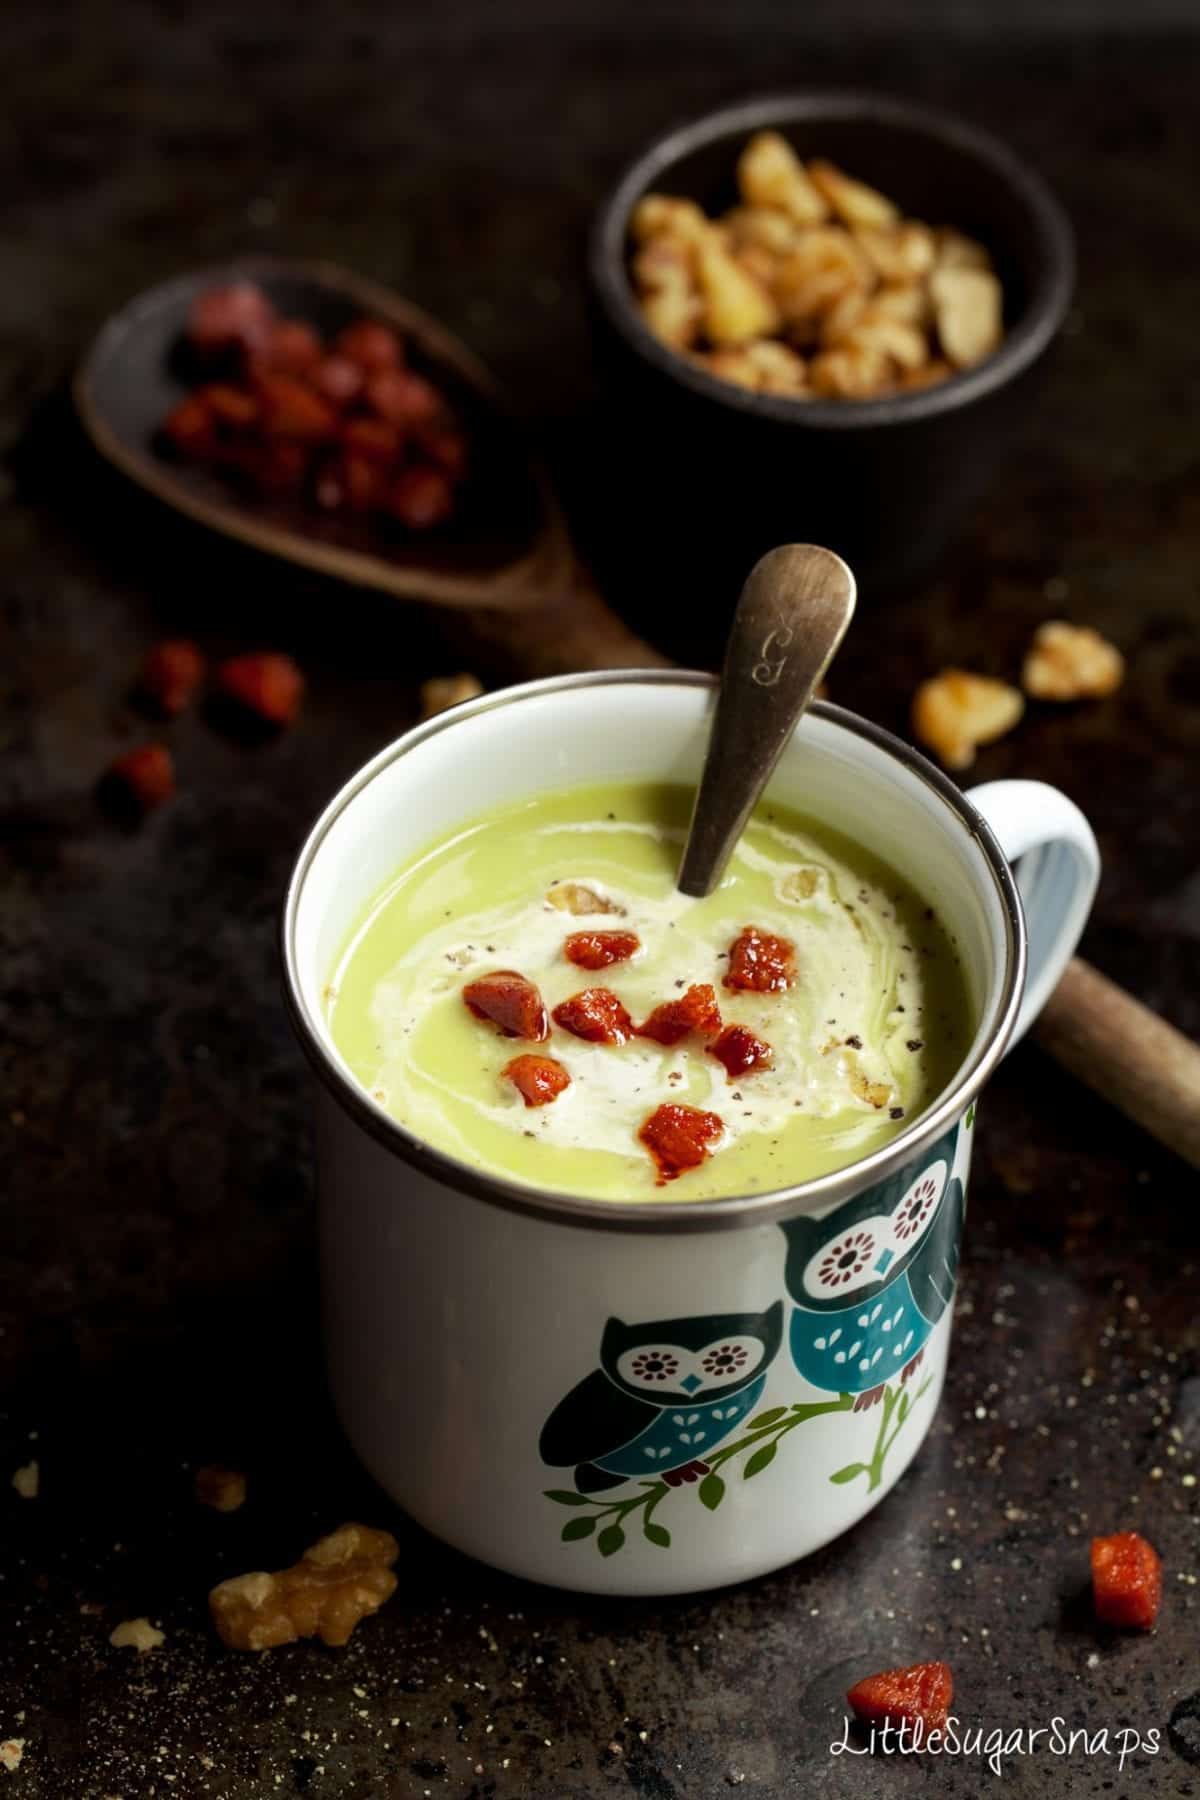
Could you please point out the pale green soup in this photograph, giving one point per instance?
(872, 1029)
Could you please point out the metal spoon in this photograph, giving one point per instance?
(790, 619)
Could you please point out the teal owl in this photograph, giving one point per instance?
(871, 1279)
(666, 1393)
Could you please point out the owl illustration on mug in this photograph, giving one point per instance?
(871, 1279)
(667, 1392)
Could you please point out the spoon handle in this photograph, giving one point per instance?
(790, 619)
(1127, 1054)
(556, 633)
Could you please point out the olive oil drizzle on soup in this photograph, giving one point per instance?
(871, 1029)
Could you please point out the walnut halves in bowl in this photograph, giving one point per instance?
(814, 286)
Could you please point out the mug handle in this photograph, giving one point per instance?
(1057, 867)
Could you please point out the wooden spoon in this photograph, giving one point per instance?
(506, 564)
(1126, 1054)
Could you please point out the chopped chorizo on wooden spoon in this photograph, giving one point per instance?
(596, 1015)
(234, 318)
(697, 1010)
(679, 1138)
(345, 425)
(510, 1002)
(538, 1079)
(760, 962)
(597, 949)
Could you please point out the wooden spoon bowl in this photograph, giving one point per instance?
(507, 552)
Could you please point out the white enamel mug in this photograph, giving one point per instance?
(653, 1398)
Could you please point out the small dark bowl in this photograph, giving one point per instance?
(727, 472)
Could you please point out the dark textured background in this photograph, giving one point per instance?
(156, 1249)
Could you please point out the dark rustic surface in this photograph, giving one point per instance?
(157, 1250)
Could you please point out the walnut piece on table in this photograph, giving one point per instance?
(338, 1581)
(11, 1752)
(955, 711)
(136, 1634)
(1071, 662)
(444, 691)
(224, 1490)
(26, 1480)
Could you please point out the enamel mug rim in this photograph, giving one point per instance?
(774, 1205)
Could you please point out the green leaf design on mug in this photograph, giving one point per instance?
(759, 1442)
(896, 1405)
(712, 1492)
(761, 1459)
